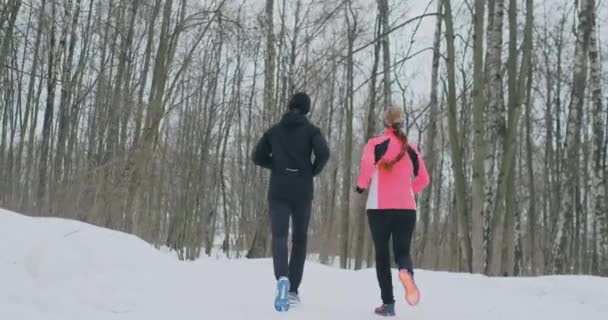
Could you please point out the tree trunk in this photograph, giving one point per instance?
(556, 155)
(383, 10)
(457, 160)
(294, 47)
(12, 7)
(533, 225)
(348, 145)
(369, 132)
(501, 249)
(116, 217)
(67, 88)
(431, 147)
(477, 217)
(548, 164)
(260, 239)
(34, 111)
(494, 114)
(144, 73)
(329, 218)
(597, 159)
(48, 117)
(573, 137)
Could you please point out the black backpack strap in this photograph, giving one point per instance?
(414, 158)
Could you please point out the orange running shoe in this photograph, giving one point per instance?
(412, 294)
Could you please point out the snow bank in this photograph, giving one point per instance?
(66, 270)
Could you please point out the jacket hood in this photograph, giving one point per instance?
(292, 120)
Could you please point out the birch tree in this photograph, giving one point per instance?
(573, 137)
(598, 156)
(477, 217)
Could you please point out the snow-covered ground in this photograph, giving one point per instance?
(66, 270)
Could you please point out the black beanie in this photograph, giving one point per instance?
(300, 101)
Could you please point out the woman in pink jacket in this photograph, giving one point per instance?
(394, 172)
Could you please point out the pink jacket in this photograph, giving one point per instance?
(394, 189)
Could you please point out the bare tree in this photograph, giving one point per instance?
(573, 134)
(477, 217)
(431, 147)
(351, 25)
(260, 239)
(464, 238)
(599, 170)
(495, 110)
(383, 10)
(48, 113)
(369, 132)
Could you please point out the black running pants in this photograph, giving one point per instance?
(280, 213)
(398, 225)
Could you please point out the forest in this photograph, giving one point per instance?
(142, 115)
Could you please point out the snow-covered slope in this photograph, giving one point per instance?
(66, 270)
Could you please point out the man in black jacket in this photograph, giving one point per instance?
(286, 149)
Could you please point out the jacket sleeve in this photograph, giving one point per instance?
(366, 169)
(319, 146)
(262, 155)
(422, 180)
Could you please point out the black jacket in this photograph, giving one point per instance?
(286, 149)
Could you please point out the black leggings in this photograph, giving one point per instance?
(400, 225)
(280, 214)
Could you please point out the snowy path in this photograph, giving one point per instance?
(65, 270)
